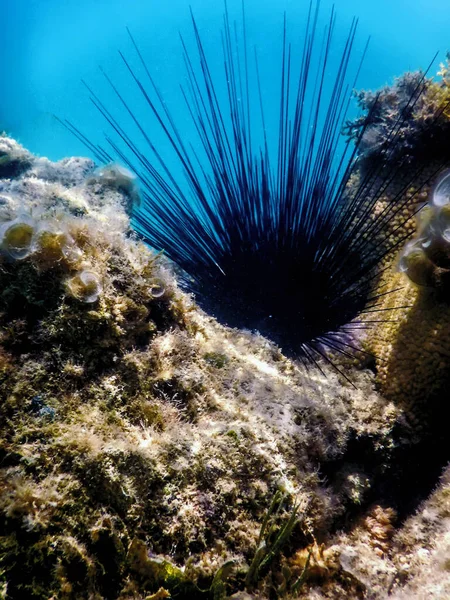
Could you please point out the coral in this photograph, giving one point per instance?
(413, 111)
(412, 346)
(410, 341)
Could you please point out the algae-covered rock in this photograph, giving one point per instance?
(148, 452)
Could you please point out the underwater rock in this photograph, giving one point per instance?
(413, 345)
(114, 176)
(148, 451)
(421, 548)
(422, 127)
(14, 159)
(407, 562)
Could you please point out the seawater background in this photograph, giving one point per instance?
(48, 46)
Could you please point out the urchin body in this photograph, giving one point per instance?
(270, 239)
(284, 293)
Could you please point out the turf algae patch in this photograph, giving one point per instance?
(143, 444)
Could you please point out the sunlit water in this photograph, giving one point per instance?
(48, 46)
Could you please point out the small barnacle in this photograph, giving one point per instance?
(425, 216)
(441, 191)
(85, 286)
(436, 245)
(426, 259)
(443, 222)
(16, 237)
(53, 243)
(157, 288)
(416, 264)
(117, 177)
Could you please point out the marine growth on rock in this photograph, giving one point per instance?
(147, 451)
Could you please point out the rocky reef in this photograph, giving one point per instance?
(148, 452)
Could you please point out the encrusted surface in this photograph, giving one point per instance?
(143, 446)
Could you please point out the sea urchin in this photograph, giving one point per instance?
(268, 239)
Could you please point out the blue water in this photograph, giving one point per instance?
(48, 46)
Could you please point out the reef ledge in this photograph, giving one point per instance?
(148, 452)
